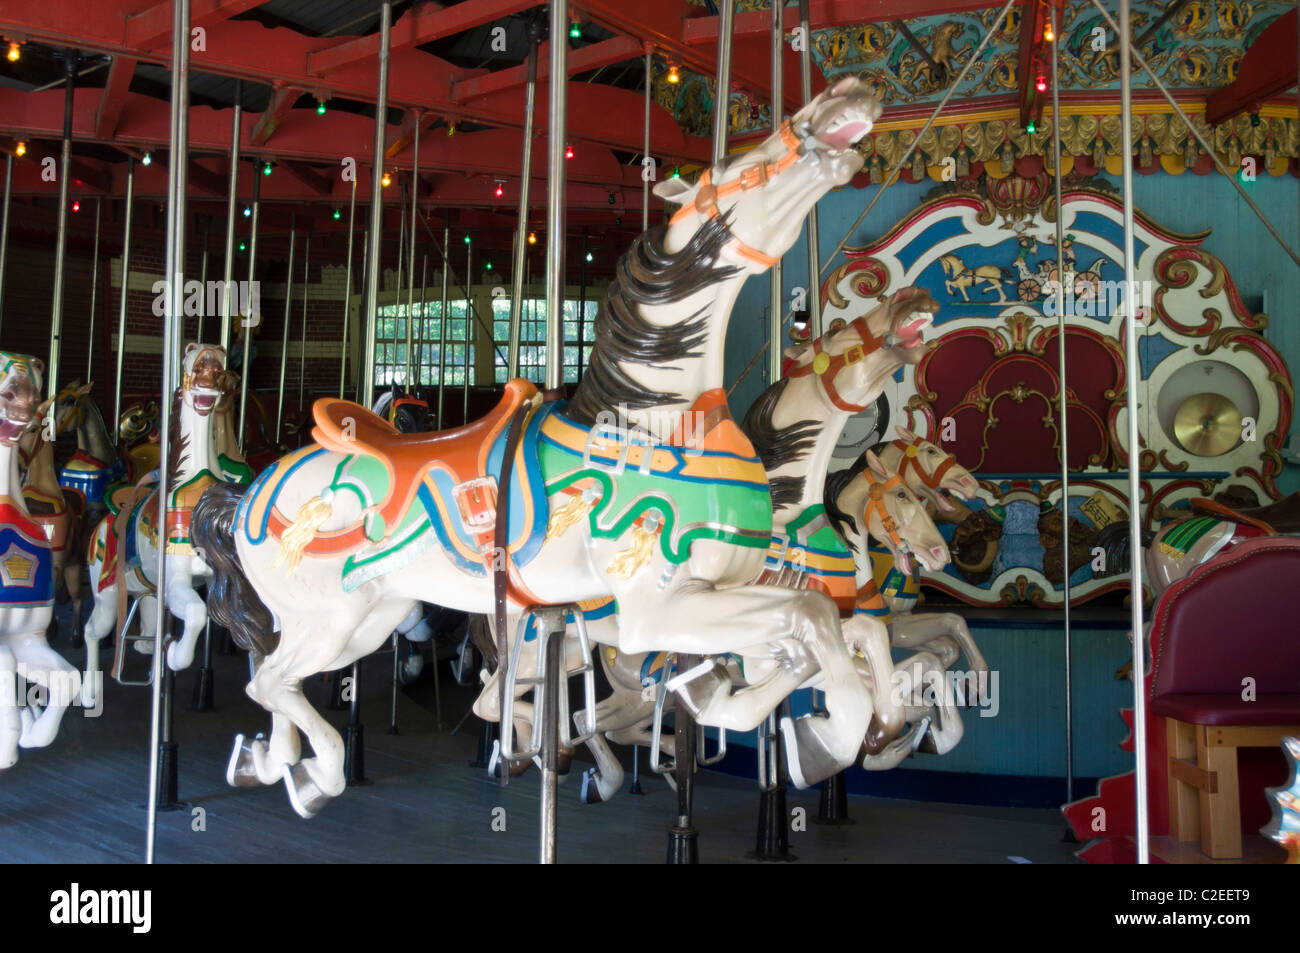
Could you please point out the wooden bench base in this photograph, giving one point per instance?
(1203, 796)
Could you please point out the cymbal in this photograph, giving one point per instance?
(1207, 425)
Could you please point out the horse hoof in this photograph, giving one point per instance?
(241, 770)
(590, 793)
(307, 799)
(809, 760)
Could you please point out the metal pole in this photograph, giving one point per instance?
(645, 143)
(1124, 31)
(376, 205)
(347, 291)
(94, 289)
(178, 155)
(249, 321)
(302, 344)
(775, 351)
(419, 340)
(410, 289)
(284, 336)
(357, 376)
(469, 304)
(582, 298)
(814, 245)
(521, 231)
(203, 278)
(232, 201)
(889, 178)
(1064, 435)
(550, 715)
(401, 260)
(555, 141)
(61, 242)
(121, 303)
(4, 227)
(442, 320)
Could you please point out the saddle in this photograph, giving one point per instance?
(1279, 518)
(345, 427)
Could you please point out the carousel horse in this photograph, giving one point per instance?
(96, 465)
(233, 467)
(26, 581)
(60, 511)
(124, 548)
(794, 426)
(642, 488)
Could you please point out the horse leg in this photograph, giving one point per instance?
(10, 726)
(941, 633)
(869, 636)
(47, 668)
(927, 677)
(103, 617)
(184, 603)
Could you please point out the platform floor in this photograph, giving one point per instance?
(82, 799)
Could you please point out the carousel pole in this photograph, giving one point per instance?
(347, 291)
(160, 773)
(469, 304)
(94, 289)
(401, 260)
(683, 838)
(774, 329)
(371, 324)
(365, 258)
(203, 276)
(442, 319)
(121, 301)
(1124, 32)
(61, 242)
(249, 321)
(1064, 432)
(410, 269)
(525, 180)
(284, 337)
(232, 201)
(814, 245)
(4, 227)
(419, 340)
(556, 131)
(302, 343)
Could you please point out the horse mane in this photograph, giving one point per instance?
(177, 443)
(649, 275)
(778, 446)
(841, 521)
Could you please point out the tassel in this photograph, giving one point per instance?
(311, 515)
(626, 563)
(566, 516)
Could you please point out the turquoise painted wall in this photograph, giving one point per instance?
(1027, 737)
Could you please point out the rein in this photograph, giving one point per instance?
(751, 177)
(876, 504)
(828, 366)
(911, 458)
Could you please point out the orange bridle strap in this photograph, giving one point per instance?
(911, 458)
(751, 177)
(828, 366)
(876, 504)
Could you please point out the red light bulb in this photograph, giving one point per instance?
(500, 191)
(1041, 85)
(568, 152)
(76, 206)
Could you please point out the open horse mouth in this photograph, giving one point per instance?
(909, 335)
(205, 400)
(11, 429)
(844, 134)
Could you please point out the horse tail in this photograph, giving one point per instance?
(232, 600)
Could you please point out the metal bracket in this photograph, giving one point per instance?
(119, 661)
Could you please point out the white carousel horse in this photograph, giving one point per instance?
(794, 426)
(665, 504)
(26, 581)
(124, 547)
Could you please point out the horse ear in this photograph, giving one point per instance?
(878, 468)
(795, 351)
(84, 390)
(191, 348)
(38, 366)
(675, 190)
(908, 435)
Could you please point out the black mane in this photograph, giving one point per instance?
(835, 483)
(777, 446)
(649, 275)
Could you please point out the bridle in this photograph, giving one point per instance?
(911, 458)
(876, 504)
(753, 176)
(827, 366)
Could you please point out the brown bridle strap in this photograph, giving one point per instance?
(911, 457)
(751, 177)
(876, 504)
(828, 366)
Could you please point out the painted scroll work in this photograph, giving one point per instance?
(989, 390)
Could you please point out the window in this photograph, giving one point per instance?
(532, 337)
(390, 344)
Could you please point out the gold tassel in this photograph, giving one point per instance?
(566, 516)
(627, 562)
(294, 540)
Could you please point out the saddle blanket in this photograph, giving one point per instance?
(26, 561)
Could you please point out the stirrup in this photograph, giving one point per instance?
(657, 729)
(123, 641)
(551, 621)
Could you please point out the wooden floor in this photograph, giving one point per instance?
(82, 800)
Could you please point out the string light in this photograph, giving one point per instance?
(147, 159)
(488, 265)
(242, 246)
(500, 191)
(266, 169)
(1031, 127)
(76, 206)
(14, 52)
(338, 214)
(20, 150)
(677, 173)
(1048, 35)
(673, 77)
(590, 257)
(1041, 83)
(387, 180)
(451, 129)
(320, 107)
(466, 239)
(532, 238)
(568, 152)
(248, 210)
(575, 30)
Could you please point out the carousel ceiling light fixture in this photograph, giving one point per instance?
(575, 30)
(387, 180)
(242, 246)
(500, 189)
(20, 150)
(76, 206)
(673, 76)
(248, 210)
(1048, 35)
(147, 159)
(1031, 127)
(532, 238)
(266, 168)
(466, 239)
(568, 151)
(1041, 83)
(338, 214)
(15, 52)
(320, 107)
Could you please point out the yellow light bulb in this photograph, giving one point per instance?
(14, 52)
(21, 150)
(387, 180)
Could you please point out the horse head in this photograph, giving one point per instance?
(20, 395)
(764, 195)
(933, 473)
(202, 377)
